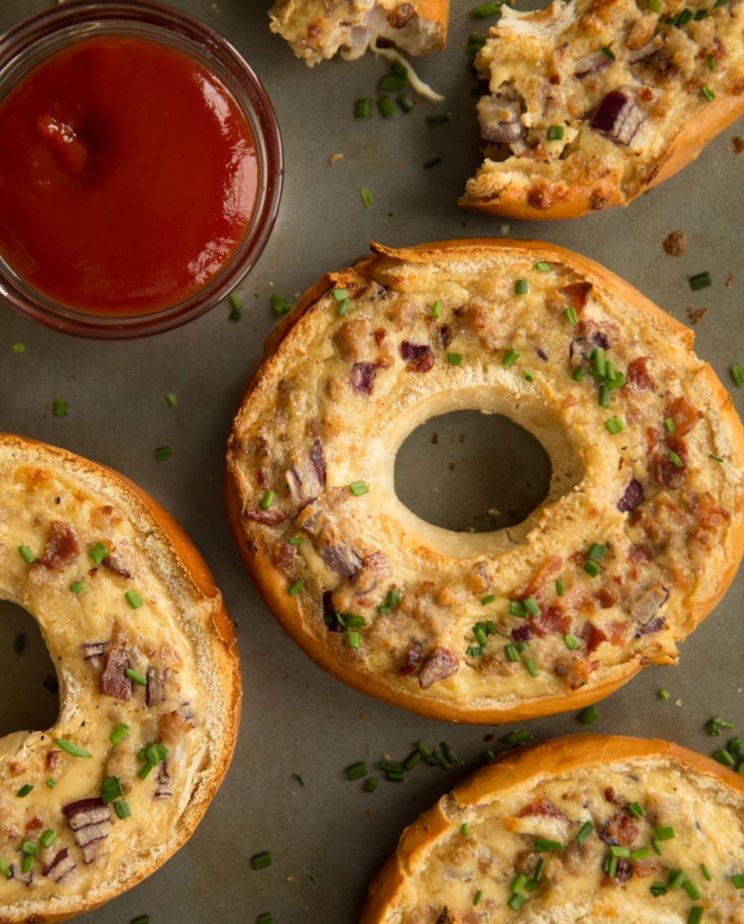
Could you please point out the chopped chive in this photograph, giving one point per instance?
(405, 103)
(294, 588)
(663, 693)
(170, 399)
(111, 789)
(708, 93)
(136, 677)
(28, 862)
(477, 897)
(119, 733)
(578, 374)
(236, 308)
(260, 860)
(615, 425)
(696, 915)
(511, 653)
(410, 762)
(51, 782)
(711, 62)
(665, 834)
(531, 605)
(738, 880)
(121, 807)
(24, 790)
(597, 551)
(528, 375)
(531, 667)
(341, 295)
(97, 553)
(267, 500)
(363, 109)
(706, 872)
(571, 316)
(77, 586)
(392, 83)
(161, 453)
(448, 753)
(657, 889)
(555, 133)
(358, 488)
(670, 425)
(280, 305)
(295, 540)
(600, 361)
(714, 457)
(436, 309)
(141, 919)
(676, 878)
(511, 357)
(59, 407)
(26, 554)
(399, 68)
(723, 757)
(454, 359)
(439, 119)
(560, 587)
(588, 716)
(521, 287)
(465, 829)
(656, 845)
(591, 568)
(48, 837)
(700, 281)
(480, 635)
(386, 106)
(570, 641)
(394, 776)
(353, 640)
(609, 52)
(544, 845)
(604, 395)
(637, 809)
(585, 832)
(543, 267)
(483, 10)
(713, 726)
(517, 608)
(365, 194)
(516, 901)
(356, 771)
(6, 870)
(617, 850)
(71, 748)
(737, 374)
(19, 348)
(343, 308)
(489, 598)
(134, 599)
(520, 736)
(693, 890)
(675, 459)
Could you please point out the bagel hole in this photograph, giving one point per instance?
(472, 472)
(28, 681)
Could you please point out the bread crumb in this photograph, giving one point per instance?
(730, 281)
(335, 158)
(696, 315)
(738, 143)
(678, 702)
(505, 229)
(675, 243)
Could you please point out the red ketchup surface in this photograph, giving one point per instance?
(128, 176)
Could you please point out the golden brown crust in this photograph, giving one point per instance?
(272, 584)
(519, 770)
(197, 571)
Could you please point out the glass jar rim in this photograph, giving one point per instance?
(78, 19)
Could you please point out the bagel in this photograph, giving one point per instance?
(593, 102)
(149, 685)
(317, 30)
(619, 829)
(640, 534)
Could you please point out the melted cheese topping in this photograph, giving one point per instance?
(636, 530)
(545, 126)
(79, 600)
(664, 823)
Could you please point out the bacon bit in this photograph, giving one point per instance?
(418, 357)
(696, 315)
(542, 808)
(445, 335)
(593, 637)
(401, 15)
(440, 664)
(621, 829)
(113, 681)
(684, 415)
(675, 243)
(51, 759)
(114, 566)
(266, 517)
(638, 376)
(522, 633)
(351, 338)
(663, 470)
(538, 586)
(412, 659)
(283, 556)
(607, 597)
(380, 335)
(640, 554)
(61, 547)
(610, 794)
(374, 568)
(646, 868)
(707, 515)
(35, 823)
(576, 294)
(362, 377)
(551, 620)
(632, 496)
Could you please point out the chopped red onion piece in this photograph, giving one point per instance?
(418, 356)
(632, 496)
(61, 866)
(619, 116)
(412, 660)
(499, 120)
(440, 664)
(591, 64)
(363, 377)
(342, 560)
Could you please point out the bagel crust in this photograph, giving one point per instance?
(607, 823)
(638, 538)
(149, 684)
(317, 30)
(592, 102)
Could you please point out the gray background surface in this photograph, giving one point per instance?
(328, 838)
